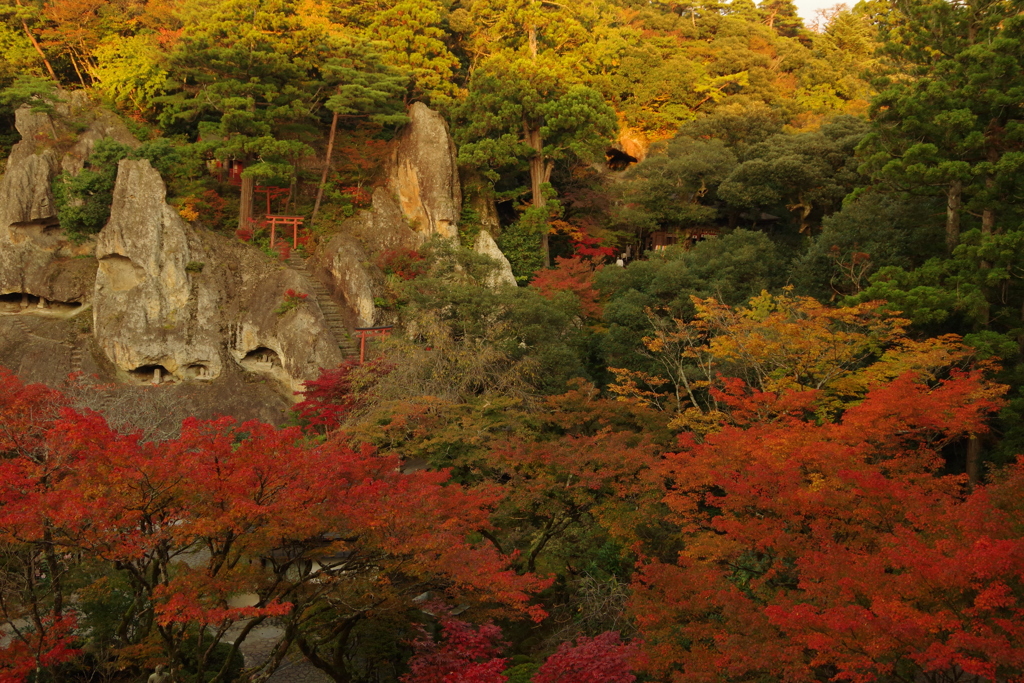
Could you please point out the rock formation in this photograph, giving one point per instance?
(424, 175)
(36, 259)
(173, 302)
(502, 273)
(382, 226)
(342, 266)
(421, 199)
(150, 309)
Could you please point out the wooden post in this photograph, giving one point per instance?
(245, 205)
(295, 234)
(273, 224)
(362, 347)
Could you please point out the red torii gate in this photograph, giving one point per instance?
(273, 192)
(364, 332)
(295, 222)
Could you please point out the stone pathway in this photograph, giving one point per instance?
(257, 647)
(328, 307)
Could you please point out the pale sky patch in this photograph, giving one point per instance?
(808, 9)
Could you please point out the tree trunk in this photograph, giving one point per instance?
(35, 44)
(78, 72)
(327, 168)
(953, 201)
(973, 460)
(540, 173)
(245, 205)
(988, 214)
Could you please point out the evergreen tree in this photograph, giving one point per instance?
(522, 110)
(245, 69)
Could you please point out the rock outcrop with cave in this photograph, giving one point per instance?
(176, 302)
(173, 303)
(36, 258)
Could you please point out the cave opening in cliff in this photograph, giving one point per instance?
(29, 303)
(151, 374)
(15, 301)
(198, 371)
(261, 358)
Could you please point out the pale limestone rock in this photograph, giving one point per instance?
(106, 124)
(383, 226)
(424, 177)
(148, 308)
(35, 256)
(502, 275)
(343, 268)
(184, 299)
(634, 142)
(300, 339)
(25, 195)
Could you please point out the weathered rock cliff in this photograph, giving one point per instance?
(173, 302)
(424, 175)
(35, 257)
(421, 199)
(176, 302)
(342, 265)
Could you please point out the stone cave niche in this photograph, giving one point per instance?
(16, 301)
(21, 301)
(46, 229)
(120, 272)
(151, 374)
(261, 359)
(199, 371)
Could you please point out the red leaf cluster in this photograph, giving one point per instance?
(464, 655)
(329, 398)
(252, 499)
(838, 545)
(574, 275)
(601, 659)
(405, 264)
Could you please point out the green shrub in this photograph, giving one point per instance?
(83, 201)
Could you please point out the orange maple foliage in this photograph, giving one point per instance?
(575, 276)
(781, 344)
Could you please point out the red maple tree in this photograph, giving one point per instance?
(225, 526)
(839, 546)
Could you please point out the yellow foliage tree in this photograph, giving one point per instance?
(779, 344)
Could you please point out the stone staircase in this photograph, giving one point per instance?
(77, 352)
(347, 343)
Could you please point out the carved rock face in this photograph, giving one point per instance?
(147, 309)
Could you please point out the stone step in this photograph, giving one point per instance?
(328, 308)
(348, 345)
